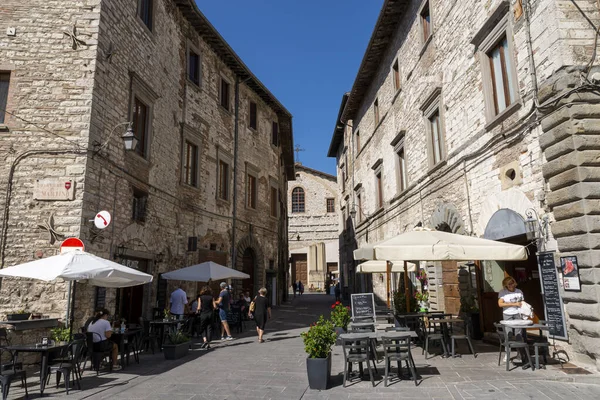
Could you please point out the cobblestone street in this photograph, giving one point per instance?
(245, 369)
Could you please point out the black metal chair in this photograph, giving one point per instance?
(9, 372)
(397, 349)
(94, 356)
(5, 342)
(466, 335)
(357, 351)
(541, 347)
(502, 332)
(147, 339)
(433, 332)
(68, 364)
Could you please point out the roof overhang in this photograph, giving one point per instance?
(338, 132)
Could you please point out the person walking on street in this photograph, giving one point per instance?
(300, 287)
(337, 291)
(206, 306)
(262, 312)
(294, 287)
(223, 304)
(178, 302)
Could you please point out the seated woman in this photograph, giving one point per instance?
(240, 304)
(101, 333)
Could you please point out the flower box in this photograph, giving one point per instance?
(175, 351)
(18, 317)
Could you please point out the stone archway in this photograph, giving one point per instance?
(447, 219)
(249, 252)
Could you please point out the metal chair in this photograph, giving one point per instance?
(462, 336)
(5, 342)
(357, 351)
(9, 372)
(433, 332)
(542, 344)
(397, 349)
(68, 364)
(148, 338)
(94, 356)
(512, 344)
(397, 329)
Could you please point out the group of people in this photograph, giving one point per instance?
(298, 288)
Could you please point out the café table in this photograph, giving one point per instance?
(165, 326)
(523, 328)
(123, 338)
(446, 331)
(45, 352)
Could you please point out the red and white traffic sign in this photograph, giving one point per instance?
(102, 219)
(71, 244)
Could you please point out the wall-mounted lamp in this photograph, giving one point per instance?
(159, 257)
(298, 237)
(353, 212)
(129, 138)
(536, 228)
(120, 252)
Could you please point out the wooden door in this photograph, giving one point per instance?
(300, 268)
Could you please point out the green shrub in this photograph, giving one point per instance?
(340, 315)
(319, 339)
(60, 334)
(178, 337)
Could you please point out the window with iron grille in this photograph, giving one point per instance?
(251, 192)
(145, 9)
(330, 205)
(190, 167)
(4, 82)
(140, 201)
(298, 200)
(223, 191)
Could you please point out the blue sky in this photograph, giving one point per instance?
(306, 52)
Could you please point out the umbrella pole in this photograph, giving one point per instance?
(406, 289)
(388, 266)
(72, 305)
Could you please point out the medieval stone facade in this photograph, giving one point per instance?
(213, 159)
(472, 117)
(312, 201)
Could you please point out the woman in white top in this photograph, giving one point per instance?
(509, 299)
(101, 332)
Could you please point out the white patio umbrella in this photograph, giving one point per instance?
(380, 267)
(204, 272)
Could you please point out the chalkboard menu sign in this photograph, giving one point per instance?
(552, 300)
(363, 305)
(161, 293)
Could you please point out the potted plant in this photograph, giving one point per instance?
(470, 308)
(340, 317)
(20, 315)
(423, 299)
(166, 315)
(318, 341)
(178, 345)
(60, 334)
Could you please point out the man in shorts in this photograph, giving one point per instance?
(223, 304)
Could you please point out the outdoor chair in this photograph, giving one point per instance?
(5, 342)
(234, 318)
(147, 339)
(433, 332)
(502, 332)
(94, 356)
(397, 329)
(357, 351)
(462, 336)
(9, 372)
(541, 347)
(397, 349)
(68, 364)
(362, 329)
(362, 319)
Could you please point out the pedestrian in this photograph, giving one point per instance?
(300, 288)
(337, 292)
(223, 304)
(262, 312)
(247, 298)
(178, 301)
(194, 305)
(510, 299)
(206, 306)
(295, 287)
(101, 333)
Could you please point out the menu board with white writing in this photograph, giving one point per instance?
(555, 315)
(363, 305)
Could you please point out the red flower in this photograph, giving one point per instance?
(348, 308)
(332, 306)
(337, 303)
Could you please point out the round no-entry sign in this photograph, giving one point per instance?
(71, 244)
(102, 219)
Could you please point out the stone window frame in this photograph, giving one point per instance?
(228, 82)
(225, 158)
(494, 29)
(138, 12)
(302, 204)
(143, 92)
(398, 145)
(139, 205)
(357, 147)
(378, 183)
(191, 48)
(329, 200)
(376, 113)
(425, 5)
(432, 105)
(275, 133)
(396, 75)
(358, 193)
(255, 127)
(254, 172)
(273, 200)
(7, 69)
(193, 136)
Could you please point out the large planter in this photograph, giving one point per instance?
(175, 351)
(18, 317)
(319, 372)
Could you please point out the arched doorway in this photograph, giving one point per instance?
(249, 267)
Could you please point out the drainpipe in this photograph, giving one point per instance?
(235, 162)
(532, 72)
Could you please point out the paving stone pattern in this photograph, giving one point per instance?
(245, 369)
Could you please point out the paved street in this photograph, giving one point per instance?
(245, 369)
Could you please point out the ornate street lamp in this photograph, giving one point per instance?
(129, 138)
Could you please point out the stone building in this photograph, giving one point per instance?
(205, 181)
(474, 117)
(312, 201)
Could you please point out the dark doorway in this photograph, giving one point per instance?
(249, 267)
(299, 268)
(132, 300)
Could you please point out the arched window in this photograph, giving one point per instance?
(298, 200)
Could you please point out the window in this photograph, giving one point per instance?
(343, 180)
(357, 141)
(401, 169)
(190, 166)
(223, 189)
(274, 202)
(425, 22)
(251, 191)
(224, 94)
(376, 110)
(140, 125)
(194, 67)
(145, 10)
(298, 200)
(275, 134)
(434, 128)
(379, 188)
(436, 140)
(253, 115)
(330, 205)
(360, 214)
(396, 75)
(140, 200)
(501, 69)
(4, 81)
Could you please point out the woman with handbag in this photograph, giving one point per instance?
(205, 308)
(260, 308)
